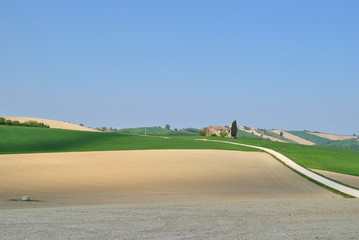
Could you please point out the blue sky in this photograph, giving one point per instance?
(290, 65)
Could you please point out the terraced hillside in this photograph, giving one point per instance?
(310, 137)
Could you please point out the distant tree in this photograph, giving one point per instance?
(202, 132)
(234, 129)
(281, 134)
(167, 126)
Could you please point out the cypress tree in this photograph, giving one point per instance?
(234, 129)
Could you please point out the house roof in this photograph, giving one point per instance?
(218, 127)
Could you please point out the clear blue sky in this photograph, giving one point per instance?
(290, 65)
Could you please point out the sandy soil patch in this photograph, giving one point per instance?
(333, 137)
(293, 137)
(245, 219)
(53, 123)
(66, 179)
(344, 178)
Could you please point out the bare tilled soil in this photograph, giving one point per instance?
(166, 194)
(85, 178)
(244, 219)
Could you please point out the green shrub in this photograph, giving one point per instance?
(223, 134)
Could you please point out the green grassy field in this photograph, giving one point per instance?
(310, 137)
(243, 134)
(31, 140)
(324, 158)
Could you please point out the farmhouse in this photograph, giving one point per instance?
(217, 130)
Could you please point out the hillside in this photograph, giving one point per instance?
(293, 137)
(332, 137)
(276, 135)
(160, 131)
(309, 137)
(32, 140)
(53, 123)
(305, 137)
(348, 144)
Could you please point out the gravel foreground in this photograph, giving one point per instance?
(244, 219)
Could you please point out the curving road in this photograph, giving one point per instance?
(344, 189)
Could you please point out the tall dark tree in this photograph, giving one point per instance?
(234, 129)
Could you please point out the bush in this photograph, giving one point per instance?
(223, 134)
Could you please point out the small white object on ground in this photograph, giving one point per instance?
(25, 198)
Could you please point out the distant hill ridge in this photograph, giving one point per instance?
(53, 123)
(300, 137)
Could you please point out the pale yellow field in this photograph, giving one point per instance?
(293, 137)
(333, 137)
(70, 179)
(53, 123)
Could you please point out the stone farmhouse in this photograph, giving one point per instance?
(217, 130)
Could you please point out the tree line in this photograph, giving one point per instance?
(30, 123)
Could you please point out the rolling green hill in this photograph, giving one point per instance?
(160, 131)
(347, 144)
(352, 144)
(32, 140)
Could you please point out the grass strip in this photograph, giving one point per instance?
(20, 200)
